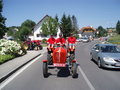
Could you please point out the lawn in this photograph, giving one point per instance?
(4, 58)
(115, 39)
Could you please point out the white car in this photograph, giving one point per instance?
(84, 39)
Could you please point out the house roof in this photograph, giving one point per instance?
(41, 20)
(88, 27)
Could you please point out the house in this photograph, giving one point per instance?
(111, 31)
(37, 32)
(87, 31)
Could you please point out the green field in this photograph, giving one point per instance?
(115, 39)
(4, 58)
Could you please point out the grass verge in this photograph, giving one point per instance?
(4, 58)
(115, 39)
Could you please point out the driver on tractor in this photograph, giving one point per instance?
(60, 40)
(51, 41)
(50, 48)
(71, 44)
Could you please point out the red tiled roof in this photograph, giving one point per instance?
(88, 27)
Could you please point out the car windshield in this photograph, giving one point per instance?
(110, 49)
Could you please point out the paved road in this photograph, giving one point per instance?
(90, 77)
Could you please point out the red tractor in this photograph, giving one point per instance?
(32, 45)
(59, 60)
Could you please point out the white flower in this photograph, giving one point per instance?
(9, 47)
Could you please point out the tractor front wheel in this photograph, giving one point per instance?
(45, 69)
(74, 70)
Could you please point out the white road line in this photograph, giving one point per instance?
(86, 79)
(17, 73)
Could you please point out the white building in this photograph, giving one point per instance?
(37, 30)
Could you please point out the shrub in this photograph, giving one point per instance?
(8, 47)
(4, 58)
(44, 41)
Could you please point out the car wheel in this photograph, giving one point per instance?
(91, 58)
(99, 63)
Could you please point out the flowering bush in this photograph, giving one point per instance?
(10, 47)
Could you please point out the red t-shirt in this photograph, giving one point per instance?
(61, 40)
(71, 40)
(51, 40)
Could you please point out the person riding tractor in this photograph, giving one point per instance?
(71, 46)
(60, 40)
(51, 43)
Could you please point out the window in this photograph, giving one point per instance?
(38, 35)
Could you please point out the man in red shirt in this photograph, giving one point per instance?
(71, 40)
(60, 40)
(51, 41)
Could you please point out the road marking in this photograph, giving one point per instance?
(17, 73)
(86, 79)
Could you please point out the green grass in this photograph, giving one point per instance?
(115, 39)
(44, 45)
(4, 58)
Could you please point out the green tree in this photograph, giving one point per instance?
(74, 25)
(56, 17)
(102, 31)
(12, 31)
(3, 28)
(26, 29)
(49, 26)
(118, 27)
(66, 25)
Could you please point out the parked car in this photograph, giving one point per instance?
(84, 39)
(106, 55)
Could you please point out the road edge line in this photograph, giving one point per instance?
(86, 79)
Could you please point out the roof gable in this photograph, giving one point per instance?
(41, 21)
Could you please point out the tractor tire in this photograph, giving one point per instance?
(40, 47)
(72, 57)
(45, 69)
(49, 58)
(74, 70)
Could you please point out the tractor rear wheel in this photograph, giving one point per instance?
(49, 58)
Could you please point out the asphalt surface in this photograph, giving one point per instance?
(90, 77)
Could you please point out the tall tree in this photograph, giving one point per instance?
(56, 17)
(74, 24)
(66, 25)
(118, 27)
(3, 28)
(50, 26)
(26, 29)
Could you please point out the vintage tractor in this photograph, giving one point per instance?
(32, 45)
(60, 60)
(37, 44)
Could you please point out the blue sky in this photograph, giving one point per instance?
(94, 13)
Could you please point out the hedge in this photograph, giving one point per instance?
(4, 58)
